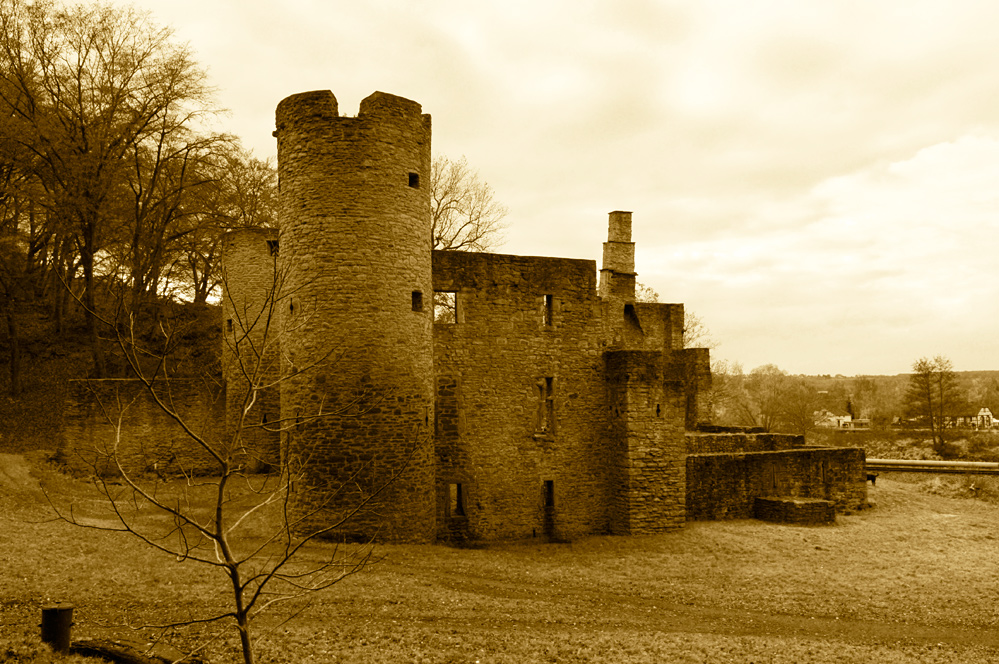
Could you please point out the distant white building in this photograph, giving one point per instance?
(831, 420)
(985, 419)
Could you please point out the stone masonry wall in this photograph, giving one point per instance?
(724, 486)
(355, 251)
(494, 367)
(647, 434)
(148, 440)
(731, 443)
(251, 339)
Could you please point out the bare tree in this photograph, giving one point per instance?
(464, 214)
(767, 397)
(768, 388)
(801, 400)
(245, 525)
(162, 185)
(695, 332)
(727, 392)
(645, 293)
(933, 394)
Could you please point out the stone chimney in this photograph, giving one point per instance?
(617, 276)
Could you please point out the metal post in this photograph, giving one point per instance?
(56, 623)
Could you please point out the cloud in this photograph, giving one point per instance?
(879, 266)
(816, 179)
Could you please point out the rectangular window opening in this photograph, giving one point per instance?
(417, 300)
(414, 180)
(549, 493)
(228, 325)
(547, 310)
(445, 307)
(546, 405)
(456, 500)
(272, 247)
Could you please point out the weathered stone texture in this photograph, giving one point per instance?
(617, 274)
(492, 367)
(355, 247)
(725, 486)
(647, 444)
(251, 342)
(118, 419)
(547, 406)
(802, 511)
(701, 443)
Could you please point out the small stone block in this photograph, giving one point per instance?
(805, 511)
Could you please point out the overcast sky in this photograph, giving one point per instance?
(817, 180)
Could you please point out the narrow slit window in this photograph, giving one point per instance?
(414, 180)
(228, 325)
(445, 307)
(546, 405)
(547, 310)
(291, 307)
(549, 493)
(417, 300)
(456, 500)
(272, 247)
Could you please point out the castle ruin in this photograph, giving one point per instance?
(471, 396)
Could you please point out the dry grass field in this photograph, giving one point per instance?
(914, 579)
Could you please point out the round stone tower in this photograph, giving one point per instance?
(355, 261)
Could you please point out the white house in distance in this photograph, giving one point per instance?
(828, 419)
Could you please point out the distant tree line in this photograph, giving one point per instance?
(932, 397)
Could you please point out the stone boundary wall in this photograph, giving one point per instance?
(150, 441)
(732, 443)
(725, 486)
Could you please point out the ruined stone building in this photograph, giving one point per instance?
(457, 395)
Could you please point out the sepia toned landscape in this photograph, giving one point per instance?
(498, 332)
(904, 581)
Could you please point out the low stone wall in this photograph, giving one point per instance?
(732, 443)
(725, 486)
(119, 418)
(802, 511)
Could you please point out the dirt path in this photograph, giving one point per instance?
(626, 613)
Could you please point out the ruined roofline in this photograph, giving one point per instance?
(508, 257)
